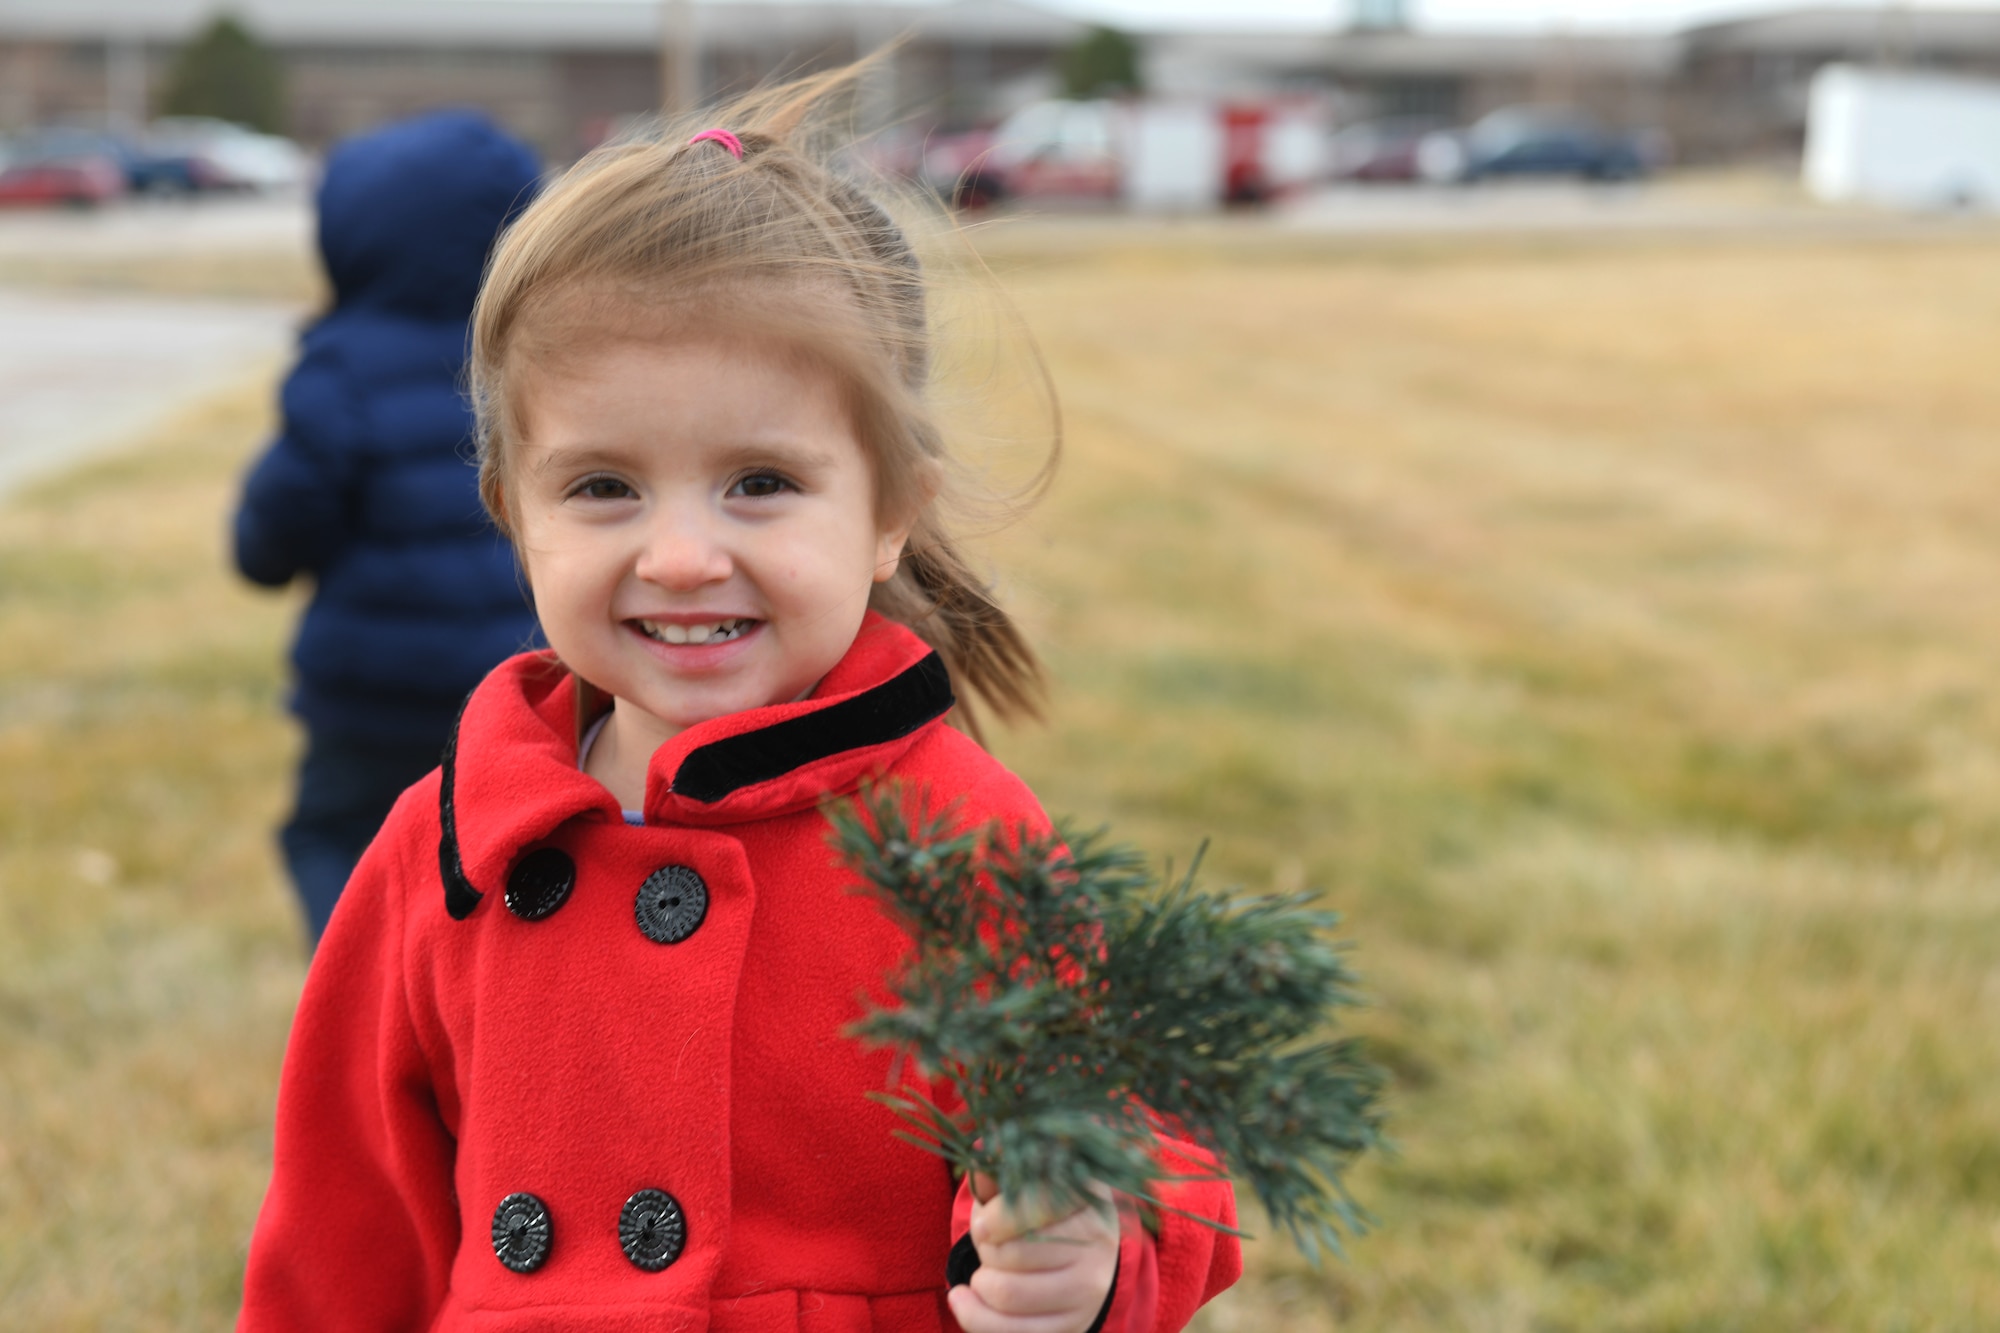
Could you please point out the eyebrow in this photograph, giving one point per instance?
(788, 454)
(565, 460)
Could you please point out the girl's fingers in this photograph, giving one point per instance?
(974, 1315)
(1039, 1255)
(1048, 1293)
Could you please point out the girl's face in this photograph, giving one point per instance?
(698, 523)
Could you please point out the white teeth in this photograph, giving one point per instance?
(716, 631)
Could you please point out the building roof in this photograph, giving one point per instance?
(1413, 54)
(538, 24)
(1854, 32)
(1421, 53)
(598, 25)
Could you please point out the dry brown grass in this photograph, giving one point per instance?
(148, 956)
(1610, 629)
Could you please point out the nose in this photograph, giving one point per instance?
(683, 552)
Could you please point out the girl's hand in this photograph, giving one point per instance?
(1038, 1273)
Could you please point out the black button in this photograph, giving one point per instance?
(540, 883)
(672, 902)
(521, 1233)
(652, 1230)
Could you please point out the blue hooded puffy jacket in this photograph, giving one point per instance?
(370, 490)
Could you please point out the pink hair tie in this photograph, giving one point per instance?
(723, 137)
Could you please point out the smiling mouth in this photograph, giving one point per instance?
(714, 631)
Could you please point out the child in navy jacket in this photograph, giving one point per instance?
(370, 491)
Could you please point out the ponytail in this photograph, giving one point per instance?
(938, 596)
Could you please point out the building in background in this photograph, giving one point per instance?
(1726, 92)
(562, 73)
(1742, 88)
(565, 73)
(1450, 77)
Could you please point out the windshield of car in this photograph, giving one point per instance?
(1512, 126)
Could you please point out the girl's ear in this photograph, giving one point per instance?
(503, 519)
(496, 502)
(889, 549)
(895, 534)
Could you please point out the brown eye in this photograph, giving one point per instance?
(604, 488)
(759, 485)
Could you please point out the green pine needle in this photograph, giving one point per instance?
(1080, 1008)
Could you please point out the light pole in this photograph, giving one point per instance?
(680, 58)
(125, 82)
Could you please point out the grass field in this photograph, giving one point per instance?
(1611, 631)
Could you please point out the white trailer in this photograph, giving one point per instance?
(1903, 138)
(1173, 154)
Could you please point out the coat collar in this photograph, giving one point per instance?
(510, 777)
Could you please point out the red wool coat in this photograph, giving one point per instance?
(552, 1070)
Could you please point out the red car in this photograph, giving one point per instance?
(80, 182)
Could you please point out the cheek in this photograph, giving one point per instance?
(536, 567)
(570, 581)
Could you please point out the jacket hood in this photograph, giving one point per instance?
(408, 212)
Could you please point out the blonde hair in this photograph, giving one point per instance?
(655, 236)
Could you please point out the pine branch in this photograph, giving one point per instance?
(1079, 1009)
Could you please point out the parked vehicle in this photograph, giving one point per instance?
(1149, 153)
(1531, 141)
(80, 182)
(1271, 146)
(146, 170)
(238, 157)
(1381, 150)
(1050, 151)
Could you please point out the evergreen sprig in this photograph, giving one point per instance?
(1079, 1008)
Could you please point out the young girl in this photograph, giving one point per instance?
(571, 1054)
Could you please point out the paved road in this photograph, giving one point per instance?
(1753, 206)
(163, 227)
(82, 373)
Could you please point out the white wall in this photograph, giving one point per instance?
(1173, 155)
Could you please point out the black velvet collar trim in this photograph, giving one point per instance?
(890, 711)
(459, 895)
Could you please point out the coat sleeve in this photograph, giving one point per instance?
(295, 512)
(360, 1225)
(1191, 1263)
